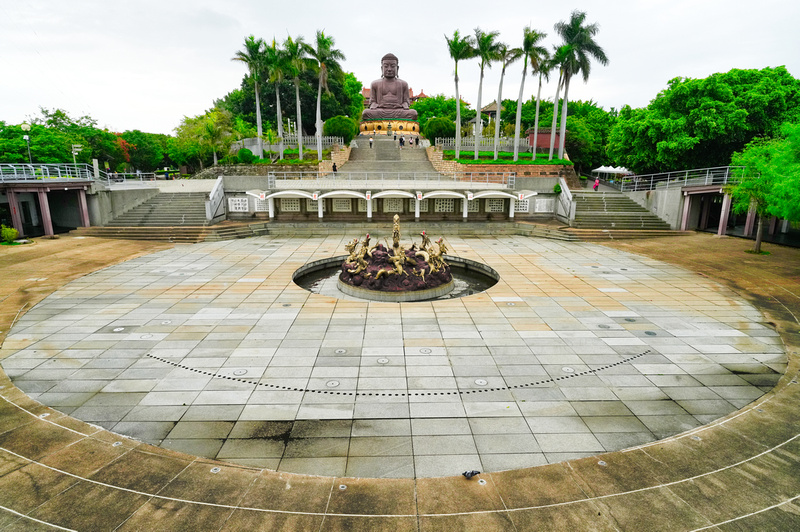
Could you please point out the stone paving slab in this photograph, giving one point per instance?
(579, 349)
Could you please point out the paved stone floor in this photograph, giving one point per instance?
(212, 350)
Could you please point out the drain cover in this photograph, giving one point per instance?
(425, 351)
(481, 382)
(119, 329)
(567, 369)
(650, 333)
(340, 351)
(239, 372)
(383, 361)
(332, 384)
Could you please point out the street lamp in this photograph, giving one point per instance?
(26, 127)
(76, 148)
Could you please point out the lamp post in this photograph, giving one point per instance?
(26, 127)
(76, 148)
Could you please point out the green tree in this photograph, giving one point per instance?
(771, 180)
(537, 55)
(253, 56)
(327, 63)
(146, 149)
(697, 123)
(341, 126)
(460, 48)
(353, 90)
(580, 49)
(487, 50)
(48, 145)
(440, 107)
(506, 56)
(440, 127)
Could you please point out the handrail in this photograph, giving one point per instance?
(502, 178)
(719, 175)
(33, 172)
(215, 204)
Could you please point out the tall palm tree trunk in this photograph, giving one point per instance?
(518, 122)
(259, 131)
(478, 119)
(555, 117)
(536, 119)
(319, 121)
(458, 119)
(280, 122)
(564, 108)
(299, 125)
(497, 114)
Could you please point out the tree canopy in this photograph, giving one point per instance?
(697, 123)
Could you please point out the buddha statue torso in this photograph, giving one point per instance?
(389, 96)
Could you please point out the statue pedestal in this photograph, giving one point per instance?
(392, 126)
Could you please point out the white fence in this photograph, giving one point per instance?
(289, 142)
(720, 175)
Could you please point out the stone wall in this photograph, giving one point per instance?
(550, 172)
(339, 155)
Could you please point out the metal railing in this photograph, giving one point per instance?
(486, 144)
(289, 142)
(275, 179)
(33, 172)
(720, 175)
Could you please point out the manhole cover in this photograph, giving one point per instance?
(604, 326)
(119, 329)
(215, 470)
(630, 320)
(332, 384)
(650, 333)
(567, 369)
(383, 361)
(146, 336)
(425, 351)
(166, 322)
(238, 372)
(340, 351)
(511, 304)
(481, 382)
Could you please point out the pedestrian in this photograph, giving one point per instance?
(334, 168)
(596, 183)
(370, 142)
(416, 141)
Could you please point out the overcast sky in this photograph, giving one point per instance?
(144, 64)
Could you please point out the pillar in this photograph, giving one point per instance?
(750, 221)
(687, 209)
(465, 209)
(416, 206)
(511, 204)
(44, 205)
(83, 208)
(369, 209)
(16, 217)
(724, 214)
(271, 208)
(319, 207)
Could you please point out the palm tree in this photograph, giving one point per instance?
(546, 65)
(530, 50)
(581, 48)
(506, 56)
(253, 56)
(296, 63)
(327, 58)
(276, 68)
(460, 48)
(558, 61)
(487, 49)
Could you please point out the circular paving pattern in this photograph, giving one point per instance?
(213, 350)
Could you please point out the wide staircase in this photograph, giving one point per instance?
(611, 214)
(385, 156)
(177, 217)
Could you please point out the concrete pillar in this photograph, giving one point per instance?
(511, 204)
(749, 223)
(416, 206)
(687, 207)
(465, 209)
(772, 224)
(44, 206)
(724, 214)
(16, 216)
(271, 208)
(369, 210)
(704, 213)
(319, 207)
(83, 208)
(785, 226)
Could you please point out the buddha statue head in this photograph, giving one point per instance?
(389, 66)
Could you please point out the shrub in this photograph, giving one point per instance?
(245, 156)
(557, 188)
(9, 234)
(341, 126)
(439, 127)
